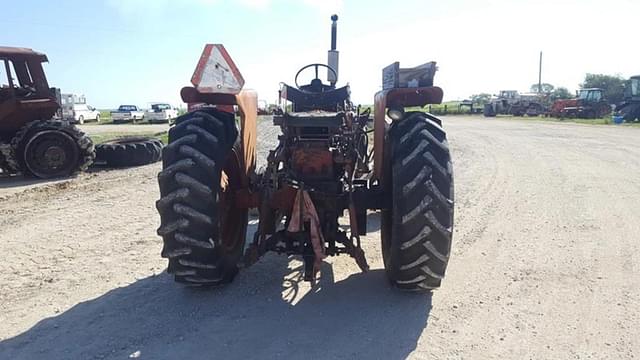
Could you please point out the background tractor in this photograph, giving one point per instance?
(31, 142)
(320, 170)
(589, 104)
(630, 107)
(510, 102)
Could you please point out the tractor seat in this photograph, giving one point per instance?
(311, 119)
(328, 99)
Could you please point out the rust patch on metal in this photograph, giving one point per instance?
(283, 198)
(312, 161)
(400, 97)
(247, 101)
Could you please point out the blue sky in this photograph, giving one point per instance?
(140, 51)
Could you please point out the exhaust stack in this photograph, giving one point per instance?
(332, 59)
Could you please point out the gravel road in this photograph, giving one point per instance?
(545, 265)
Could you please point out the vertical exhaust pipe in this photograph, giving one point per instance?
(334, 31)
(332, 59)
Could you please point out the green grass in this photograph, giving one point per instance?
(105, 117)
(446, 108)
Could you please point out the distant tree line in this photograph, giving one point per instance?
(552, 92)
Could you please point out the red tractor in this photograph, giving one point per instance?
(319, 171)
(31, 141)
(590, 104)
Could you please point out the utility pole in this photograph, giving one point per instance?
(540, 75)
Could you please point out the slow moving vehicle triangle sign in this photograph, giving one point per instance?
(216, 72)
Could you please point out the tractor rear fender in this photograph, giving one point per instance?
(396, 98)
(247, 103)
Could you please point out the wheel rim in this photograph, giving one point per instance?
(51, 154)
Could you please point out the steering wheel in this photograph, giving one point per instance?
(316, 67)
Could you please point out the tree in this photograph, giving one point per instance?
(612, 86)
(481, 99)
(560, 93)
(546, 88)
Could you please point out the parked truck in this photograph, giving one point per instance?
(127, 113)
(160, 113)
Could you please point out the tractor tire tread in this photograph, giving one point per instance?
(189, 185)
(129, 151)
(422, 204)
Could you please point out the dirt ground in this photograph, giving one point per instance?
(545, 265)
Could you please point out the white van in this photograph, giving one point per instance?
(83, 112)
(75, 109)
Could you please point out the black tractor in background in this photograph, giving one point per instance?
(629, 109)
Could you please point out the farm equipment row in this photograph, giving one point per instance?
(589, 104)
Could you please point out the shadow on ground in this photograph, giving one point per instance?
(8, 181)
(358, 317)
(13, 181)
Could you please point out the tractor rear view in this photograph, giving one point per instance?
(321, 169)
(510, 102)
(31, 142)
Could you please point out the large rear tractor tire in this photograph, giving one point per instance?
(630, 112)
(417, 229)
(51, 148)
(488, 111)
(602, 110)
(129, 151)
(5, 155)
(202, 229)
